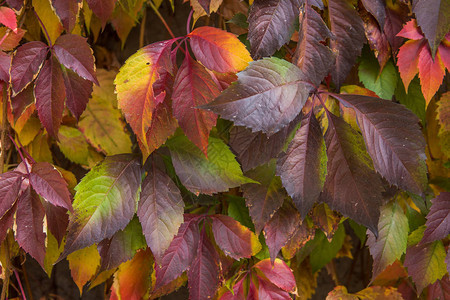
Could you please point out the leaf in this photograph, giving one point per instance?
(425, 263)
(327, 220)
(124, 19)
(351, 185)
(234, 239)
(278, 273)
(73, 145)
(136, 93)
(238, 211)
(83, 265)
(5, 65)
(217, 173)
(78, 91)
(74, 53)
(102, 9)
(218, 50)
(57, 221)
(255, 148)
(413, 99)
(431, 73)
(204, 273)
(122, 246)
(263, 199)
(271, 25)
(7, 221)
(160, 211)
(50, 94)
(180, 254)
(377, 9)
(101, 121)
(398, 155)
(194, 87)
(340, 293)
(49, 18)
(348, 29)
(301, 236)
(325, 251)
(376, 38)
(440, 289)
(67, 11)
(392, 238)
(397, 13)
(8, 17)
(105, 201)
(408, 60)
(199, 11)
(302, 168)
(438, 219)
(267, 290)
(29, 233)
(281, 228)
(133, 279)
(268, 95)
(26, 64)
(12, 39)
(432, 17)
(16, 4)
(312, 56)
(10, 183)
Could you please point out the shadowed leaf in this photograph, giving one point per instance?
(83, 265)
(377, 9)
(438, 219)
(67, 11)
(440, 289)
(57, 221)
(102, 9)
(10, 183)
(78, 91)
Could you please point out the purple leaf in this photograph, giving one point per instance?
(438, 219)
(7, 221)
(439, 290)
(10, 183)
(67, 11)
(102, 9)
(16, 4)
(78, 91)
(377, 9)
(5, 65)
(57, 220)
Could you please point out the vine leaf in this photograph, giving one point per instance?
(194, 87)
(26, 64)
(312, 56)
(302, 168)
(180, 254)
(57, 221)
(10, 183)
(267, 290)
(278, 273)
(351, 186)
(8, 18)
(78, 91)
(217, 173)
(398, 155)
(74, 53)
(50, 185)
(105, 202)
(392, 238)
(234, 239)
(432, 17)
(438, 219)
(83, 265)
(271, 25)
(268, 95)
(440, 289)
(103, 9)
(348, 29)
(67, 11)
(5, 65)
(218, 50)
(376, 9)
(160, 211)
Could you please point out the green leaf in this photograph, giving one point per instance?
(414, 99)
(238, 211)
(325, 251)
(73, 145)
(217, 173)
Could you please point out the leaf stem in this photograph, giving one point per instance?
(24, 297)
(4, 125)
(188, 28)
(161, 18)
(43, 27)
(142, 29)
(20, 153)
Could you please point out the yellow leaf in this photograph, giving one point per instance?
(29, 131)
(83, 264)
(52, 253)
(49, 18)
(39, 148)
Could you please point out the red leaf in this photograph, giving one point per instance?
(267, 290)
(431, 73)
(278, 273)
(411, 31)
(57, 221)
(74, 53)
(8, 17)
(302, 168)
(50, 94)
(29, 233)
(203, 275)
(234, 239)
(10, 183)
(219, 50)
(180, 254)
(281, 228)
(440, 289)
(5, 65)
(238, 291)
(67, 11)
(78, 91)
(160, 211)
(194, 87)
(48, 183)
(26, 63)
(438, 219)
(7, 221)
(408, 60)
(102, 9)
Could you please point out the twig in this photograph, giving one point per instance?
(161, 18)
(4, 129)
(27, 282)
(20, 285)
(142, 29)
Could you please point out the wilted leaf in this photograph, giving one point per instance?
(377, 9)
(304, 233)
(268, 95)
(438, 219)
(83, 265)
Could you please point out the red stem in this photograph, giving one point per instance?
(20, 285)
(188, 28)
(45, 29)
(20, 153)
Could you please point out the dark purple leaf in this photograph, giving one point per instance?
(255, 148)
(438, 219)
(160, 211)
(268, 95)
(5, 65)
(10, 183)
(74, 53)
(348, 29)
(393, 139)
(50, 94)
(16, 4)
(180, 254)
(48, 183)
(22, 101)
(264, 198)
(377, 9)
(351, 186)
(7, 221)
(313, 57)
(303, 167)
(26, 63)
(440, 290)
(30, 217)
(67, 10)
(281, 228)
(271, 25)
(205, 4)
(78, 91)
(57, 221)
(395, 18)
(203, 275)
(102, 9)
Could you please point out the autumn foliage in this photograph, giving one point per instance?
(238, 160)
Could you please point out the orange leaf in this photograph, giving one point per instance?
(408, 60)
(431, 73)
